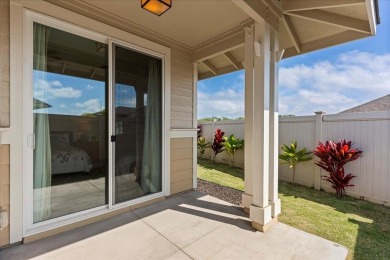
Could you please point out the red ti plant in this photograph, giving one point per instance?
(217, 145)
(199, 131)
(333, 156)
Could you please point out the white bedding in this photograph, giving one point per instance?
(69, 159)
(123, 165)
(66, 158)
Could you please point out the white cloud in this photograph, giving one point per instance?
(62, 106)
(354, 78)
(45, 90)
(56, 83)
(89, 87)
(89, 106)
(228, 102)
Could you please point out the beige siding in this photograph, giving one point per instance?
(181, 164)
(4, 63)
(182, 91)
(4, 190)
(4, 114)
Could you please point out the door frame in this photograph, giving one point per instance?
(106, 36)
(165, 135)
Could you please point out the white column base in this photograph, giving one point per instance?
(246, 202)
(259, 215)
(276, 208)
(264, 228)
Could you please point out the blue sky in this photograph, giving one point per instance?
(69, 95)
(330, 80)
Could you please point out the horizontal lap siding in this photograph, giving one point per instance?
(182, 91)
(181, 164)
(4, 114)
(4, 190)
(4, 64)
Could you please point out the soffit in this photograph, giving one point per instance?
(310, 31)
(352, 11)
(213, 32)
(187, 22)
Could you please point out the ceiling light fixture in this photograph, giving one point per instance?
(158, 7)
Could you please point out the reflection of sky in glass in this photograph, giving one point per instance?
(68, 95)
(125, 96)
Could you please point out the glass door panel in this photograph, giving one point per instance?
(70, 91)
(137, 124)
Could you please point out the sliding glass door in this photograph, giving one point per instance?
(70, 89)
(75, 130)
(137, 123)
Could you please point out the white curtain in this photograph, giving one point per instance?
(151, 160)
(42, 151)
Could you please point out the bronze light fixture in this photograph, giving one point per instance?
(158, 7)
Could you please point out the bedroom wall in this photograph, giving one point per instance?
(68, 123)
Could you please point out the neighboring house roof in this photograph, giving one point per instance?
(380, 104)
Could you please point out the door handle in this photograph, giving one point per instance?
(113, 138)
(31, 141)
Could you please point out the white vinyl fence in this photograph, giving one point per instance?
(368, 131)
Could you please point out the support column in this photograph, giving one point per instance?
(248, 65)
(318, 138)
(260, 210)
(274, 126)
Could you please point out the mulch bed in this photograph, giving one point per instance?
(228, 194)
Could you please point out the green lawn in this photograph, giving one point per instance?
(361, 226)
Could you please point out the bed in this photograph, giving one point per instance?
(66, 158)
(125, 165)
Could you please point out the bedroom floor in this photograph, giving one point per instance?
(84, 195)
(76, 192)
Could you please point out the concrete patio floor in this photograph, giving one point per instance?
(187, 226)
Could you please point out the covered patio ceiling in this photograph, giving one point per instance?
(212, 31)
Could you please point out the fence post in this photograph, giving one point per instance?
(318, 138)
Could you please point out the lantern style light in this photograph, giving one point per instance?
(158, 7)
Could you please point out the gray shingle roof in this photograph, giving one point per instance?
(380, 104)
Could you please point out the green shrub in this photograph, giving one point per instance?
(292, 156)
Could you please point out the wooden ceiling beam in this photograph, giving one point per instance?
(232, 60)
(210, 67)
(275, 6)
(259, 11)
(329, 41)
(298, 5)
(220, 46)
(334, 19)
(220, 71)
(292, 33)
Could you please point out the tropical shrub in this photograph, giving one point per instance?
(202, 145)
(333, 156)
(232, 145)
(217, 145)
(292, 156)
